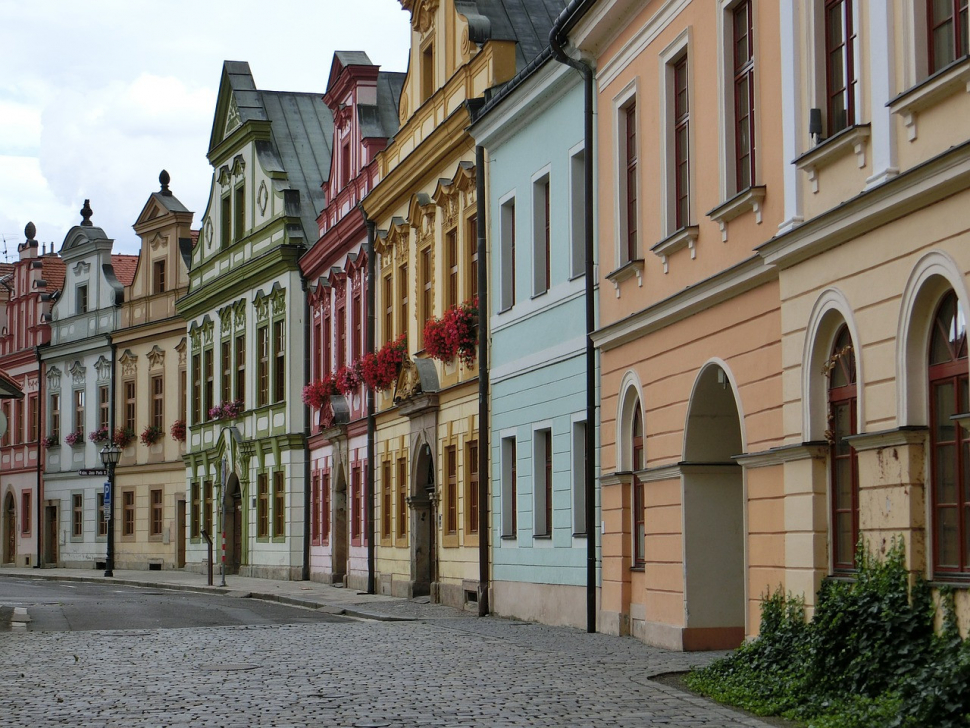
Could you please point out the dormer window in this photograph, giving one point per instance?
(82, 298)
(158, 276)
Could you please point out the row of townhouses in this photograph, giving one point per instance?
(608, 313)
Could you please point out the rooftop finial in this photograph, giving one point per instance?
(164, 179)
(30, 231)
(86, 213)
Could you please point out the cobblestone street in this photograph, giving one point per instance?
(444, 671)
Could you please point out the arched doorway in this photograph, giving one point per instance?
(713, 516)
(423, 572)
(9, 530)
(338, 540)
(232, 510)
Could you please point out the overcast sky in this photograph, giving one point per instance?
(98, 96)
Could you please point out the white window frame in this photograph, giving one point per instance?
(507, 266)
(539, 181)
(507, 442)
(539, 526)
(621, 101)
(818, 86)
(577, 211)
(577, 451)
(680, 46)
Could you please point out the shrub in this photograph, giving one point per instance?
(346, 379)
(379, 370)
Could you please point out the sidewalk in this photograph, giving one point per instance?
(313, 595)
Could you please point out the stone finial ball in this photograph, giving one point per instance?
(30, 231)
(164, 178)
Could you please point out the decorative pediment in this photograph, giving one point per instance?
(207, 329)
(195, 334)
(238, 166)
(54, 379)
(422, 13)
(274, 302)
(103, 367)
(225, 176)
(239, 314)
(158, 241)
(129, 363)
(394, 241)
(341, 119)
(456, 194)
(81, 268)
(421, 213)
(232, 116)
(156, 357)
(77, 373)
(225, 319)
(180, 348)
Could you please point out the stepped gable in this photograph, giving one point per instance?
(124, 267)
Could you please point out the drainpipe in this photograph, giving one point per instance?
(305, 575)
(483, 420)
(40, 460)
(563, 23)
(371, 418)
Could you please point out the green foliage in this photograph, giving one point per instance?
(869, 657)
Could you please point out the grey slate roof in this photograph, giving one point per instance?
(526, 21)
(170, 202)
(352, 58)
(381, 121)
(302, 131)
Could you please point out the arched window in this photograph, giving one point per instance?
(636, 449)
(840, 368)
(949, 442)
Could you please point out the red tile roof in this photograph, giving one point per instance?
(195, 237)
(9, 387)
(125, 266)
(53, 272)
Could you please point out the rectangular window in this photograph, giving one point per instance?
(840, 80)
(341, 322)
(325, 511)
(102, 517)
(386, 499)
(18, 422)
(128, 513)
(240, 212)
(451, 482)
(358, 326)
(6, 413)
(471, 244)
(77, 515)
(577, 213)
(130, 405)
(508, 254)
(681, 145)
(345, 164)
(426, 290)
(104, 408)
(471, 486)
(451, 267)
(158, 402)
(327, 344)
(225, 350)
(279, 370)
(743, 45)
(25, 512)
(279, 504)
(540, 236)
(579, 450)
(226, 231)
(402, 287)
(182, 394)
(33, 419)
(631, 186)
(55, 409)
(355, 516)
(639, 531)
(196, 388)
(208, 371)
(262, 505)
(542, 464)
(402, 497)
(948, 32)
(158, 276)
(388, 308)
(509, 488)
(79, 410)
(81, 298)
(427, 71)
(315, 506)
(241, 367)
(262, 366)
(207, 507)
(195, 511)
(156, 515)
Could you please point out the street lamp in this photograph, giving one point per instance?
(110, 455)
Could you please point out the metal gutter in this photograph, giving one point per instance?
(371, 417)
(307, 417)
(483, 418)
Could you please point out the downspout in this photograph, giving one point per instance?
(563, 23)
(307, 416)
(483, 420)
(40, 459)
(371, 417)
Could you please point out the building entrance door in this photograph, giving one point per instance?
(9, 530)
(50, 536)
(233, 525)
(179, 533)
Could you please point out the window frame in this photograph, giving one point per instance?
(510, 486)
(156, 513)
(157, 384)
(960, 33)
(128, 514)
(843, 396)
(77, 516)
(507, 235)
(850, 89)
(679, 50)
(543, 480)
(472, 486)
(158, 276)
(541, 231)
(279, 504)
(627, 243)
(262, 506)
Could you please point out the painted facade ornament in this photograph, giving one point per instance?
(238, 166)
(180, 348)
(208, 233)
(207, 331)
(225, 318)
(422, 13)
(232, 117)
(262, 197)
(196, 334)
(103, 368)
(77, 373)
(158, 241)
(261, 306)
(225, 177)
(156, 357)
(129, 363)
(54, 379)
(279, 302)
(81, 268)
(239, 311)
(408, 381)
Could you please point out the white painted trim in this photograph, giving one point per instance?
(620, 102)
(571, 213)
(723, 365)
(882, 80)
(793, 116)
(678, 47)
(630, 395)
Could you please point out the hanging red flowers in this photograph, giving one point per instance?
(454, 334)
(316, 393)
(379, 370)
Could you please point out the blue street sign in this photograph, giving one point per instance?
(107, 492)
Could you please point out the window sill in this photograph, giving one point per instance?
(686, 237)
(749, 199)
(539, 294)
(954, 581)
(542, 537)
(627, 270)
(924, 95)
(641, 568)
(509, 537)
(854, 139)
(581, 534)
(617, 478)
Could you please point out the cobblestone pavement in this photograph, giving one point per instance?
(444, 668)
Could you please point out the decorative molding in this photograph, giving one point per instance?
(897, 437)
(103, 368)
(783, 454)
(129, 363)
(618, 478)
(54, 379)
(77, 373)
(225, 176)
(238, 166)
(181, 349)
(225, 319)
(683, 238)
(855, 138)
(232, 116)
(156, 357)
(627, 270)
(81, 267)
(158, 241)
(934, 89)
(208, 232)
(239, 317)
(262, 197)
(422, 14)
(750, 199)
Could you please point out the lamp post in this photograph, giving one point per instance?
(110, 454)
